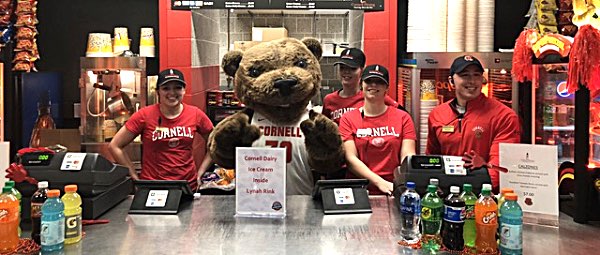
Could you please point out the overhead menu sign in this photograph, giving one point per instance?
(366, 5)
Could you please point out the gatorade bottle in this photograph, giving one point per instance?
(410, 209)
(17, 194)
(432, 211)
(511, 226)
(72, 202)
(503, 192)
(9, 221)
(469, 228)
(436, 182)
(454, 219)
(37, 200)
(486, 218)
(53, 223)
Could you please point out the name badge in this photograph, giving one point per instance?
(448, 129)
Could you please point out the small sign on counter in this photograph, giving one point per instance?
(533, 174)
(260, 182)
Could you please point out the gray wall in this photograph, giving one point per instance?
(205, 39)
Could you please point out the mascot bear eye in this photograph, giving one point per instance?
(301, 63)
(254, 72)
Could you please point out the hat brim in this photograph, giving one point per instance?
(347, 62)
(170, 80)
(462, 68)
(375, 76)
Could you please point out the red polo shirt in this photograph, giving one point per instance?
(485, 124)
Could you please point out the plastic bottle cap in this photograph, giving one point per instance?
(9, 184)
(511, 196)
(434, 181)
(467, 187)
(454, 189)
(53, 193)
(6, 189)
(506, 190)
(43, 185)
(410, 185)
(71, 188)
(486, 186)
(431, 188)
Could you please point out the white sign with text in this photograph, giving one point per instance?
(533, 174)
(260, 182)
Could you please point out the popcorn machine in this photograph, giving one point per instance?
(423, 84)
(111, 90)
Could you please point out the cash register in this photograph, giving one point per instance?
(101, 183)
(448, 170)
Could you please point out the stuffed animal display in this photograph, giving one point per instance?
(276, 80)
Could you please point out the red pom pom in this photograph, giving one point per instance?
(522, 66)
(584, 60)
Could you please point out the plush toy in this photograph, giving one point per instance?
(276, 80)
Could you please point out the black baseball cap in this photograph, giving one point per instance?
(352, 57)
(376, 71)
(169, 75)
(462, 62)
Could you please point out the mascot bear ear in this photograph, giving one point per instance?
(231, 62)
(314, 46)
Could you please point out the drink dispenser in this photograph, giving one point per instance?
(111, 90)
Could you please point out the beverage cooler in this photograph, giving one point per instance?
(423, 84)
(111, 90)
(571, 121)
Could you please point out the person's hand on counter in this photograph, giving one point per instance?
(385, 186)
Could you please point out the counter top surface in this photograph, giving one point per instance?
(208, 226)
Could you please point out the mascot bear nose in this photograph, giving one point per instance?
(285, 86)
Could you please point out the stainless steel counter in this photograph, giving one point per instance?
(207, 226)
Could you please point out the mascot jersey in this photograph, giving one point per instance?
(334, 106)
(167, 150)
(378, 139)
(299, 178)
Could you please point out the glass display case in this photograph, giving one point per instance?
(111, 90)
(423, 84)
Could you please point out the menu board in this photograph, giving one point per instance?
(366, 5)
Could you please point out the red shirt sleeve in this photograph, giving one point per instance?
(203, 125)
(507, 130)
(346, 128)
(433, 144)
(136, 123)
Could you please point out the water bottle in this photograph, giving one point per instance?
(18, 195)
(432, 210)
(53, 223)
(454, 219)
(410, 209)
(72, 202)
(37, 200)
(9, 221)
(436, 182)
(511, 226)
(486, 220)
(469, 233)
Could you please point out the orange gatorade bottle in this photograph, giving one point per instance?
(486, 221)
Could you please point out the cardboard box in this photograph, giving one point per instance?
(243, 45)
(265, 34)
(69, 138)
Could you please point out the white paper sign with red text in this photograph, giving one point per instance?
(260, 182)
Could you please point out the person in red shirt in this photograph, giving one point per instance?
(377, 137)
(472, 125)
(350, 67)
(168, 130)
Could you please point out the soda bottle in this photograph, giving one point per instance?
(18, 195)
(511, 226)
(72, 202)
(469, 228)
(410, 209)
(37, 200)
(436, 182)
(9, 221)
(454, 219)
(53, 223)
(486, 218)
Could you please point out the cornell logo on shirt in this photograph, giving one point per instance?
(173, 132)
(339, 112)
(478, 131)
(376, 132)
